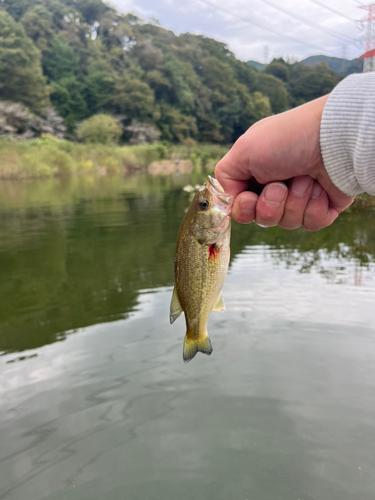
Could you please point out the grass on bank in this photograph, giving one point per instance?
(50, 157)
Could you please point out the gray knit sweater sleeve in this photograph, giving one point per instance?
(347, 135)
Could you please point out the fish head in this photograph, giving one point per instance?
(212, 208)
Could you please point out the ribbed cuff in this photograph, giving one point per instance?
(347, 135)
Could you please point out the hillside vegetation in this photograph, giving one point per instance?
(84, 58)
(339, 65)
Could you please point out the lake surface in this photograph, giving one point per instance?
(95, 400)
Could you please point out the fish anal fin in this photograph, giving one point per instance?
(176, 309)
(220, 304)
(191, 347)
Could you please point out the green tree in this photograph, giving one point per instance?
(21, 77)
(258, 107)
(148, 56)
(100, 129)
(275, 90)
(133, 97)
(38, 24)
(279, 68)
(98, 91)
(99, 60)
(219, 77)
(230, 118)
(245, 74)
(18, 8)
(308, 83)
(209, 129)
(180, 95)
(91, 10)
(175, 126)
(68, 99)
(115, 31)
(243, 112)
(159, 83)
(60, 61)
(76, 32)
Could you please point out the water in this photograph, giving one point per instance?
(95, 401)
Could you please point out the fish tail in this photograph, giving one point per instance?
(192, 346)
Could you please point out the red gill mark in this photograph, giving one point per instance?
(213, 251)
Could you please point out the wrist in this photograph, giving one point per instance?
(316, 109)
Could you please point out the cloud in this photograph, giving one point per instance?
(293, 28)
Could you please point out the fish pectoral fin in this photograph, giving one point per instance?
(191, 347)
(220, 304)
(176, 308)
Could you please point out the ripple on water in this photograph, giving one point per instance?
(95, 400)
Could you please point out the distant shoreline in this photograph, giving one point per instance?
(50, 157)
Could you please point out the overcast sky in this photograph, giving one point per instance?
(256, 29)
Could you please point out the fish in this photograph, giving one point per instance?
(201, 265)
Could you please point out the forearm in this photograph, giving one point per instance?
(347, 135)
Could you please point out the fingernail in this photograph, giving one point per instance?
(300, 186)
(275, 194)
(317, 190)
(247, 206)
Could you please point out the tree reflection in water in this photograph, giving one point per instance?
(78, 252)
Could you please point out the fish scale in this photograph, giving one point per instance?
(201, 265)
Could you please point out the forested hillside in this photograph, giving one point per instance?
(339, 65)
(84, 58)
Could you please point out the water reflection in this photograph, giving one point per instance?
(282, 410)
(77, 252)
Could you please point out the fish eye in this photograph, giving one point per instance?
(204, 204)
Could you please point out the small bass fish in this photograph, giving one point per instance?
(201, 264)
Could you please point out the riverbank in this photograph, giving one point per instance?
(49, 157)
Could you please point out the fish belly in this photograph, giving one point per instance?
(200, 277)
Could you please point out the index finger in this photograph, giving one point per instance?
(233, 170)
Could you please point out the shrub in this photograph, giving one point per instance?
(36, 165)
(100, 129)
(145, 155)
(112, 164)
(16, 120)
(141, 133)
(162, 151)
(44, 158)
(10, 162)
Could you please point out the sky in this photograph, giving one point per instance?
(263, 29)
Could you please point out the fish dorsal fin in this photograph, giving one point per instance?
(220, 304)
(176, 308)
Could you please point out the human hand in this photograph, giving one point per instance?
(281, 147)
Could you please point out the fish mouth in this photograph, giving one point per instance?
(214, 186)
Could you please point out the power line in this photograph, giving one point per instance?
(334, 11)
(310, 23)
(254, 23)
